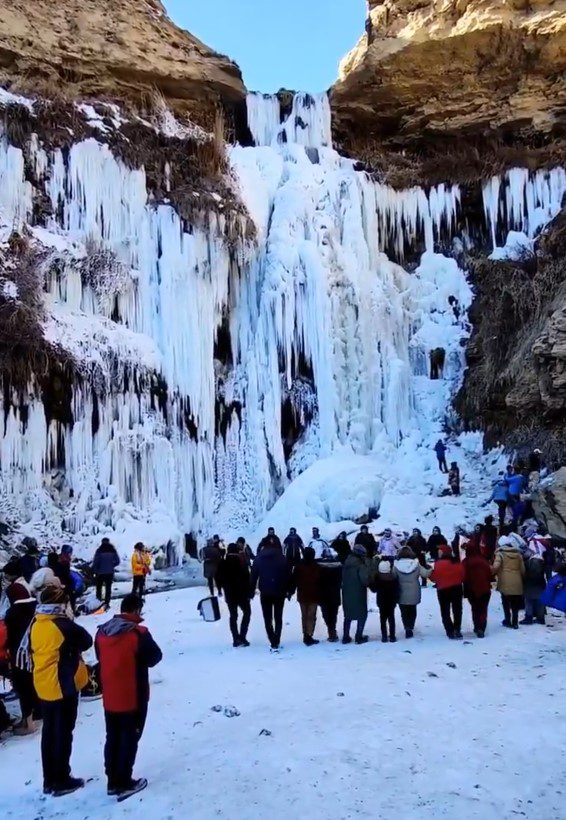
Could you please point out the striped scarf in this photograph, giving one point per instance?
(24, 657)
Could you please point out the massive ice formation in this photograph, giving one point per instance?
(211, 377)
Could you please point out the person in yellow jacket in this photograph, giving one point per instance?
(141, 568)
(59, 674)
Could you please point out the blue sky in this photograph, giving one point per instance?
(293, 44)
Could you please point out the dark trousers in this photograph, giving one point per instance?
(272, 608)
(479, 605)
(59, 718)
(330, 616)
(138, 585)
(211, 582)
(408, 615)
(450, 601)
(511, 606)
(233, 606)
(502, 509)
(443, 466)
(123, 733)
(387, 618)
(106, 582)
(22, 681)
(360, 624)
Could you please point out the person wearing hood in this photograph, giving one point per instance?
(366, 539)
(306, 580)
(126, 651)
(389, 545)
(330, 587)
(355, 581)
(233, 576)
(386, 585)
(59, 673)
(477, 586)
(43, 577)
(18, 619)
(534, 586)
(435, 541)
(410, 572)
(509, 567)
(271, 573)
(448, 575)
(104, 565)
(293, 548)
(341, 546)
(500, 495)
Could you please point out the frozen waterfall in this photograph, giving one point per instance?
(324, 337)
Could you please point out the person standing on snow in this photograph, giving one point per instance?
(233, 576)
(330, 594)
(389, 545)
(18, 619)
(355, 581)
(125, 651)
(454, 478)
(534, 586)
(341, 546)
(293, 548)
(269, 540)
(509, 567)
(435, 541)
(59, 673)
(440, 450)
(246, 552)
(104, 565)
(141, 568)
(448, 575)
(386, 585)
(321, 547)
(500, 494)
(306, 580)
(477, 586)
(409, 573)
(271, 573)
(366, 539)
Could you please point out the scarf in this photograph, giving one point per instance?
(24, 657)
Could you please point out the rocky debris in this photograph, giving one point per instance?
(549, 502)
(112, 49)
(454, 77)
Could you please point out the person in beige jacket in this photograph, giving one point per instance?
(509, 568)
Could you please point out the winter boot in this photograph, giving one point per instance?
(361, 639)
(71, 785)
(244, 641)
(480, 633)
(134, 787)
(333, 636)
(408, 633)
(392, 639)
(527, 621)
(346, 639)
(307, 640)
(384, 637)
(457, 635)
(506, 623)
(26, 726)
(237, 642)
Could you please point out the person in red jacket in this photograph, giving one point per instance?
(125, 651)
(448, 575)
(477, 586)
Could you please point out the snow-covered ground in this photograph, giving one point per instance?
(426, 728)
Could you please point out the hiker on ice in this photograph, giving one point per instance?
(386, 585)
(59, 674)
(454, 478)
(271, 573)
(104, 565)
(233, 576)
(306, 580)
(410, 573)
(18, 619)
(448, 575)
(500, 494)
(125, 651)
(212, 556)
(269, 540)
(366, 540)
(440, 450)
(294, 547)
(141, 568)
(355, 581)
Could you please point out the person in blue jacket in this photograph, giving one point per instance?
(440, 450)
(516, 485)
(104, 564)
(500, 494)
(554, 595)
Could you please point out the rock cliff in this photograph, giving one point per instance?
(481, 79)
(111, 49)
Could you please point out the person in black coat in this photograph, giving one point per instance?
(29, 562)
(294, 548)
(233, 576)
(435, 541)
(417, 542)
(366, 539)
(104, 564)
(330, 593)
(272, 574)
(341, 547)
(18, 618)
(387, 588)
(269, 540)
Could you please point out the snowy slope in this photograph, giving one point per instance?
(355, 731)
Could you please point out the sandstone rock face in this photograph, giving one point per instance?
(117, 49)
(549, 502)
(429, 69)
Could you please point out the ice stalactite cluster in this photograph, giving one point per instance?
(211, 377)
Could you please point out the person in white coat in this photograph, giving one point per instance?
(409, 573)
(389, 545)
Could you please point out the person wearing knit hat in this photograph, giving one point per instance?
(18, 619)
(59, 674)
(355, 581)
